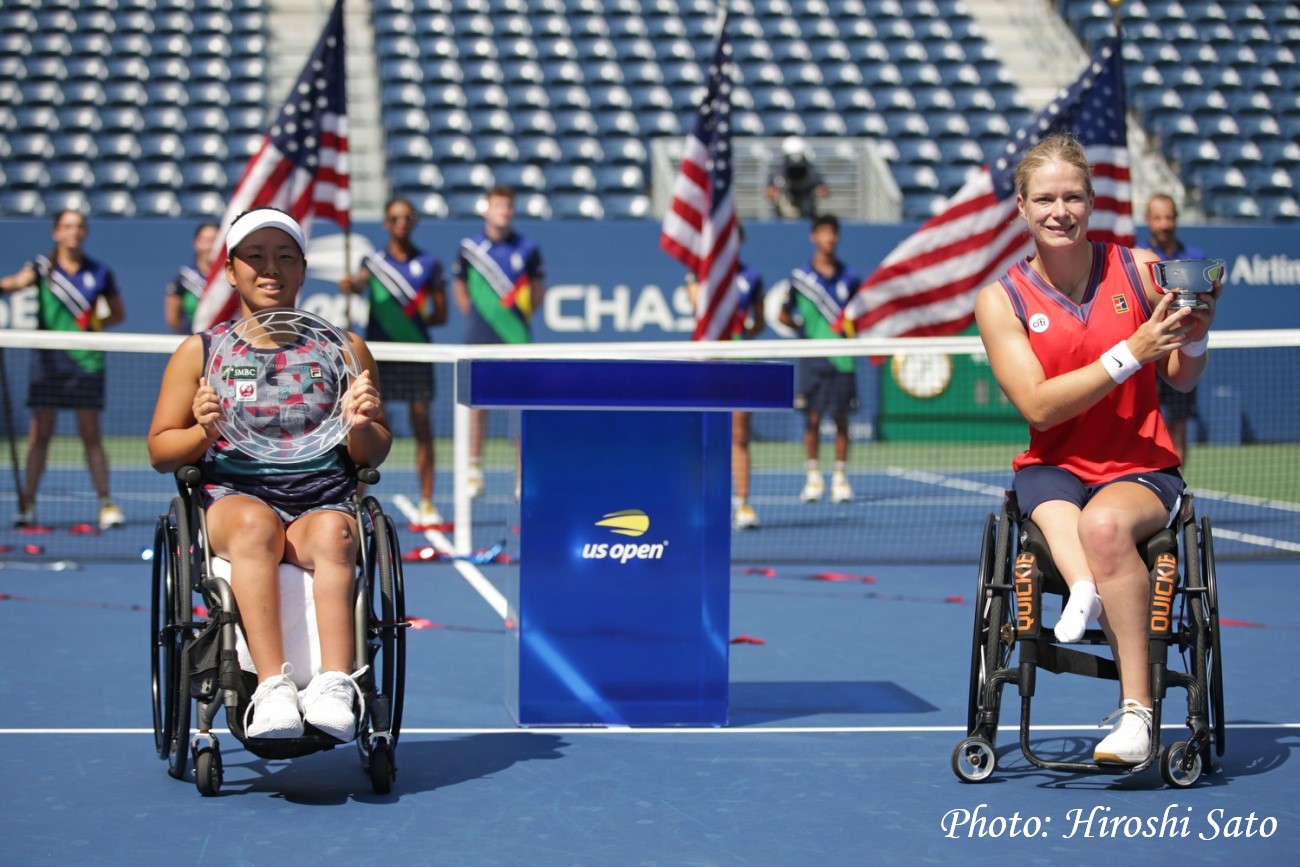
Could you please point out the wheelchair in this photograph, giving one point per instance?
(195, 663)
(1016, 569)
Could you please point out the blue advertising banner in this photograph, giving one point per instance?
(607, 281)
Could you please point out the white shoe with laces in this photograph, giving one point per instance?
(330, 703)
(274, 708)
(841, 492)
(1129, 742)
(813, 488)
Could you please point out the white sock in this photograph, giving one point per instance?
(1083, 605)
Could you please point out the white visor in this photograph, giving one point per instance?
(264, 218)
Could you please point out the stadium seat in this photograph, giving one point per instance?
(494, 149)
(429, 204)
(533, 204)
(463, 204)
(414, 176)
(577, 206)
(157, 203)
(203, 203)
(623, 206)
(521, 176)
(467, 177)
(1279, 208)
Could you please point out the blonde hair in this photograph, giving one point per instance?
(1058, 147)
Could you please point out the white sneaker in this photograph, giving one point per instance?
(330, 703)
(1129, 742)
(813, 488)
(840, 490)
(25, 517)
(110, 516)
(474, 482)
(745, 517)
(274, 708)
(429, 514)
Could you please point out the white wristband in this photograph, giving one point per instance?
(1120, 362)
(1196, 348)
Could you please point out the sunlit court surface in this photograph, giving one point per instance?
(848, 692)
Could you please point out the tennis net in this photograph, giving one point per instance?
(929, 457)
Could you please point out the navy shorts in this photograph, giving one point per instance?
(77, 389)
(1037, 484)
(406, 381)
(826, 390)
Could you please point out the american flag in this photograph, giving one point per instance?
(301, 167)
(699, 229)
(928, 284)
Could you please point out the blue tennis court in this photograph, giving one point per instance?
(848, 693)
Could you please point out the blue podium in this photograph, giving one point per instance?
(619, 613)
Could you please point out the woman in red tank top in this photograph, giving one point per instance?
(1076, 335)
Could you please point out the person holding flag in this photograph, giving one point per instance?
(828, 386)
(407, 296)
(70, 288)
(498, 279)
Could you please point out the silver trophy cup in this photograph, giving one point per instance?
(1186, 278)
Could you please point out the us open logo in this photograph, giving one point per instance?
(629, 522)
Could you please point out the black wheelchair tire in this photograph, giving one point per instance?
(988, 653)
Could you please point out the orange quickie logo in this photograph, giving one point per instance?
(1162, 594)
(1026, 616)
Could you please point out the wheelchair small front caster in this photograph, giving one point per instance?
(207, 770)
(1175, 768)
(973, 760)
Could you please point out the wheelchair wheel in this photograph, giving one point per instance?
(169, 623)
(973, 760)
(1214, 667)
(208, 774)
(1178, 768)
(382, 770)
(377, 739)
(989, 650)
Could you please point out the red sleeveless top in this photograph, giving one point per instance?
(1124, 432)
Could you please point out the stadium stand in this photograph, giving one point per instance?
(179, 92)
(1216, 82)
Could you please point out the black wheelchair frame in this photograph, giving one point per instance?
(195, 665)
(1184, 614)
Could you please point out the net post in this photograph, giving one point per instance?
(463, 533)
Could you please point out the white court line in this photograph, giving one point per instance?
(679, 730)
(493, 597)
(1219, 532)
(1243, 499)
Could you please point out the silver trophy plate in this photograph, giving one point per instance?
(1187, 278)
(280, 376)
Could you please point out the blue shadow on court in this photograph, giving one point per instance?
(755, 703)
